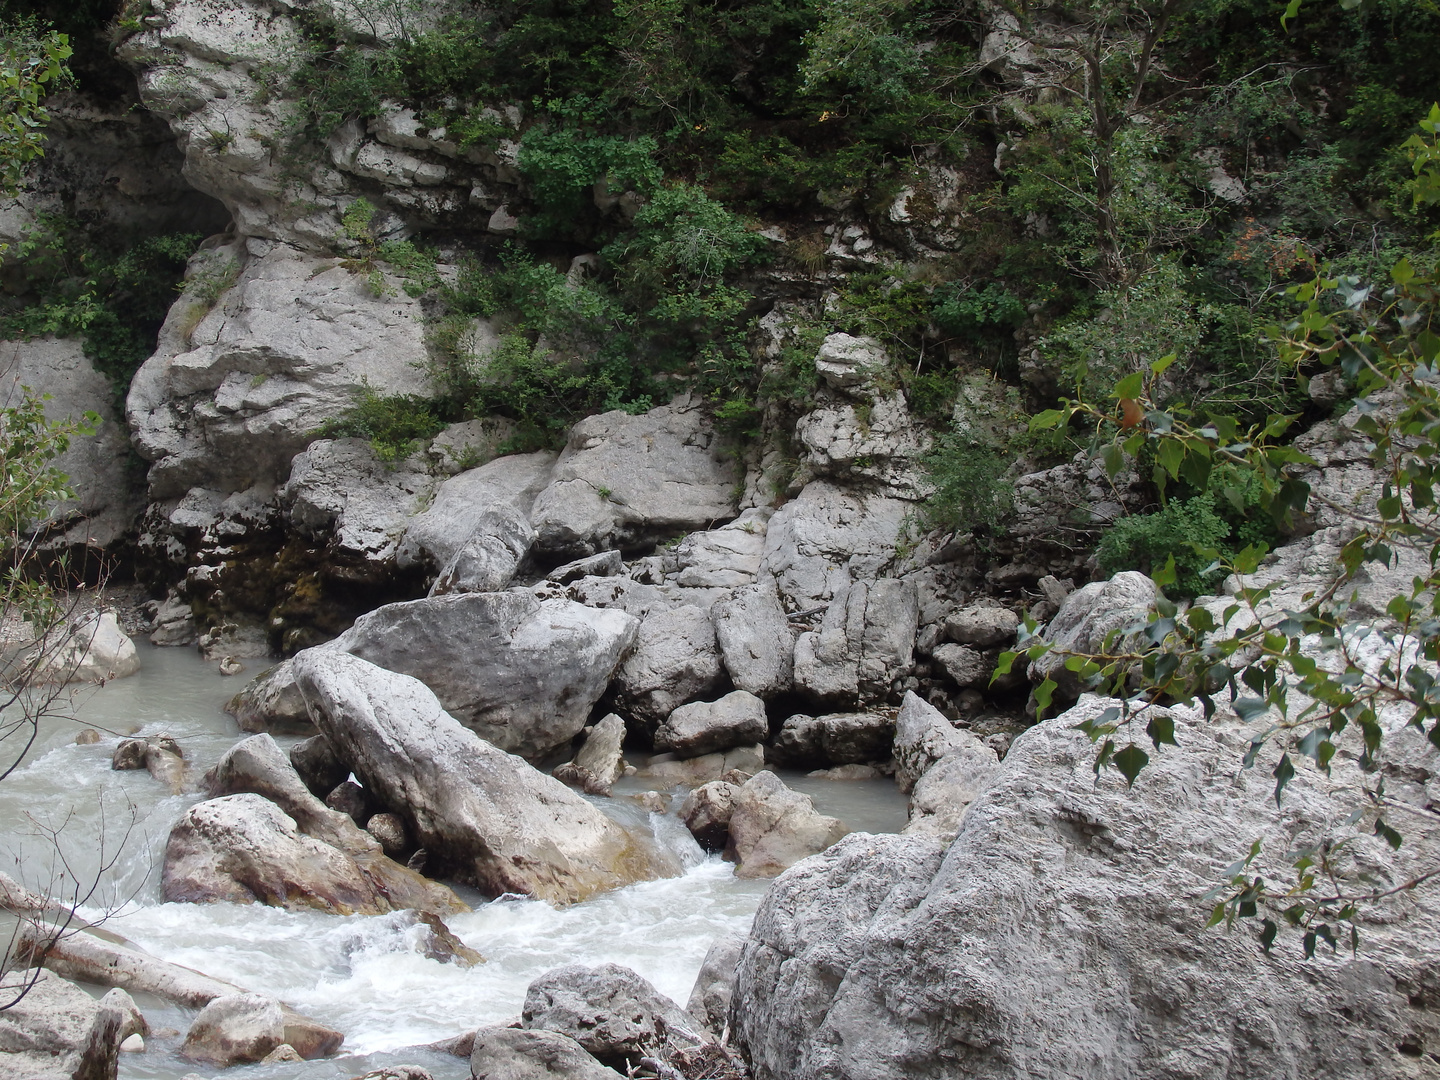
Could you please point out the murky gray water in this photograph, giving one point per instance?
(358, 973)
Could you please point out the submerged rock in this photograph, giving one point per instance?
(501, 825)
(159, 755)
(522, 673)
(773, 827)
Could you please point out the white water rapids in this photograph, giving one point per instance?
(358, 974)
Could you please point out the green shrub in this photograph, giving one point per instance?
(1183, 528)
(971, 490)
(968, 312)
(395, 424)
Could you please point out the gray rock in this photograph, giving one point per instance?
(723, 558)
(462, 502)
(106, 502)
(849, 363)
(59, 1032)
(773, 827)
(271, 702)
(874, 440)
(501, 825)
(235, 1029)
(469, 444)
(706, 813)
(599, 763)
(349, 798)
(709, 1001)
(1083, 621)
(232, 399)
(922, 737)
(489, 557)
(705, 727)
(819, 914)
(389, 831)
(521, 673)
(983, 625)
(865, 642)
(506, 1053)
(174, 623)
(624, 481)
(315, 762)
(244, 849)
(1159, 994)
(665, 769)
(836, 739)
(341, 492)
(940, 797)
(159, 755)
(675, 659)
(966, 666)
(604, 564)
(610, 1011)
(756, 640)
(92, 650)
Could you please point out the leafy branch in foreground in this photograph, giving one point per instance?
(1297, 661)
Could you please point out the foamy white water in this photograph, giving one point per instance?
(360, 974)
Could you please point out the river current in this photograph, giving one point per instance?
(359, 974)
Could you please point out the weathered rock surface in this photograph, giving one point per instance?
(709, 1001)
(940, 797)
(489, 557)
(922, 737)
(1082, 622)
(705, 727)
(675, 659)
(845, 956)
(982, 625)
(723, 558)
(756, 639)
(865, 643)
(691, 772)
(506, 1053)
(106, 503)
(599, 763)
(244, 849)
(315, 762)
(159, 755)
(964, 665)
(230, 401)
(500, 824)
(92, 650)
(59, 1032)
(706, 813)
(235, 1029)
(610, 1011)
(463, 502)
(873, 439)
(624, 481)
(812, 742)
(271, 702)
(340, 492)
(772, 827)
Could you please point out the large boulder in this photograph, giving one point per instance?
(506, 1053)
(522, 673)
(624, 481)
(706, 727)
(723, 558)
(57, 1031)
(675, 659)
(873, 439)
(818, 742)
(244, 849)
(756, 639)
(1084, 620)
(489, 557)
(848, 974)
(340, 492)
(612, 1012)
(92, 650)
(773, 827)
(706, 813)
(865, 643)
(235, 1029)
(106, 501)
(464, 503)
(495, 821)
(228, 401)
(922, 737)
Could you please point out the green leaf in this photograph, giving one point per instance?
(1130, 386)
(1166, 574)
(1284, 773)
(1160, 366)
(1113, 457)
(1003, 664)
(1050, 418)
(1130, 761)
(1291, 10)
(1161, 729)
(1268, 930)
(1249, 708)
(1043, 693)
(1392, 837)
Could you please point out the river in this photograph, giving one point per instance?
(358, 974)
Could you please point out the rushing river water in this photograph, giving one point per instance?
(359, 974)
